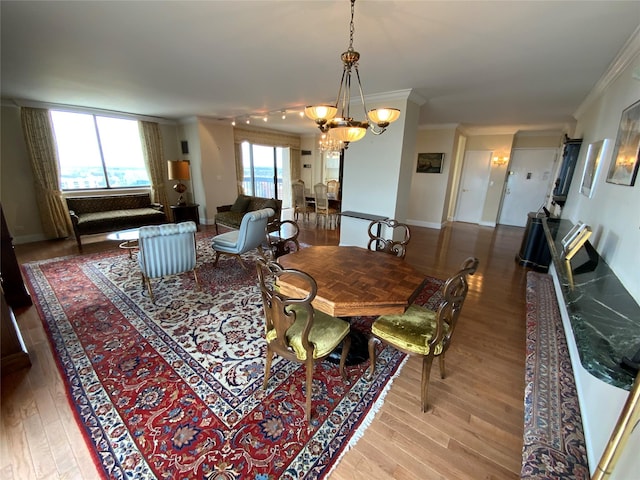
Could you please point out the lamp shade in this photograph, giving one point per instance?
(347, 130)
(179, 170)
(320, 112)
(384, 116)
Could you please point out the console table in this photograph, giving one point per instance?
(602, 325)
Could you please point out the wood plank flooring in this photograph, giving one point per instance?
(473, 430)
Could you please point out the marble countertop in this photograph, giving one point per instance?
(604, 316)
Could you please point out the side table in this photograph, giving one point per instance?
(184, 213)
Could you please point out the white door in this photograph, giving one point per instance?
(473, 186)
(528, 183)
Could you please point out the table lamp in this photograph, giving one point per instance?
(179, 170)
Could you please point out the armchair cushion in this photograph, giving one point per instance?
(228, 239)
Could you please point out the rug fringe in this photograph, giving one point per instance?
(368, 419)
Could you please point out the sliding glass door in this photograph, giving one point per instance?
(266, 172)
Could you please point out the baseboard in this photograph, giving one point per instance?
(420, 223)
(20, 239)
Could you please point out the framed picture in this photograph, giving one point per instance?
(624, 163)
(430, 162)
(597, 153)
(571, 234)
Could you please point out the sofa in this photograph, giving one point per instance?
(231, 215)
(108, 213)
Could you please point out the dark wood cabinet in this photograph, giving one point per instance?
(15, 292)
(184, 213)
(570, 152)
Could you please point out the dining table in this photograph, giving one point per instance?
(353, 281)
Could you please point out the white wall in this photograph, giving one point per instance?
(429, 190)
(218, 179)
(613, 212)
(377, 171)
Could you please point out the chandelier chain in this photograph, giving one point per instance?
(343, 127)
(352, 28)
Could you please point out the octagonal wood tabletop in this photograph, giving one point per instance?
(353, 281)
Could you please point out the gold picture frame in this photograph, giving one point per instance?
(624, 163)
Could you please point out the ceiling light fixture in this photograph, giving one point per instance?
(330, 145)
(344, 128)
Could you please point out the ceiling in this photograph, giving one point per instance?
(520, 64)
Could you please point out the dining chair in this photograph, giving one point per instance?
(300, 204)
(249, 237)
(166, 250)
(322, 205)
(333, 189)
(396, 245)
(294, 329)
(282, 237)
(424, 332)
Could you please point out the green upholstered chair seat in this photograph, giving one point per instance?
(410, 331)
(325, 334)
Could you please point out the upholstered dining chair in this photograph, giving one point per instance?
(166, 250)
(396, 245)
(294, 329)
(300, 205)
(249, 237)
(322, 205)
(333, 189)
(424, 332)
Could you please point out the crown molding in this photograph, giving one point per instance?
(408, 94)
(625, 57)
(439, 126)
(89, 110)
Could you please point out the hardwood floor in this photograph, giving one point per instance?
(473, 430)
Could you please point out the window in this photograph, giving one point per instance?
(264, 169)
(98, 152)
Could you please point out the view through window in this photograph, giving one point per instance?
(98, 152)
(265, 171)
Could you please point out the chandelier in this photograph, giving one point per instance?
(344, 128)
(330, 146)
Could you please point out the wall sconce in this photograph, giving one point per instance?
(499, 160)
(179, 170)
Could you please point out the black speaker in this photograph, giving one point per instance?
(185, 146)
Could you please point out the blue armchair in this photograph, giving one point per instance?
(250, 235)
(167, 250)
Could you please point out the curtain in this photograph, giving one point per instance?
(41, 145)
(154, 161)
(271, 138)
(239, 168)
(295, 164)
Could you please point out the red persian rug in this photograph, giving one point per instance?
(173, 389)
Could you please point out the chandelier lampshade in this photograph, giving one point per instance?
(346, 131)
(321, 113)
(343, 127)
(384, 116)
